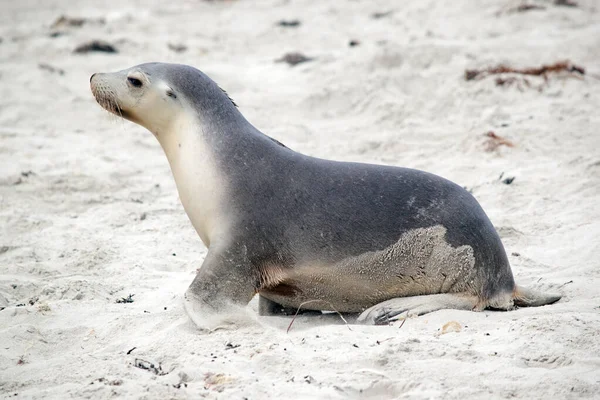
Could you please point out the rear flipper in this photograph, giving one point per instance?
(525, 297)
(392, 310)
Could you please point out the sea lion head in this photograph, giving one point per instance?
(156, 95)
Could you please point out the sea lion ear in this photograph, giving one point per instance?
(168, 90)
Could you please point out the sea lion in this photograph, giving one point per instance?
(308, 232)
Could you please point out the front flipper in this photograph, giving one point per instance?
(392, 310)
(221, 290)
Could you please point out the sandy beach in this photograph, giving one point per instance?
(96, 250)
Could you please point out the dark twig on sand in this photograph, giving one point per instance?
(177, 47)
(292, 23)
(380, 14)
(566, 3)
(527, 7)
(565, 284)
(148, 366)
(51, 69)
(65, 21)
(313, 301)
(294, 59)
(95, 46)
(403, 321)
(128, 299)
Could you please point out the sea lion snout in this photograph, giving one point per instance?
(105, 94)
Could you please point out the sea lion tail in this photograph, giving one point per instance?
(526, 297)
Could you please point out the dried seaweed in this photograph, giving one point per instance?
(544, 70)
(494, 141)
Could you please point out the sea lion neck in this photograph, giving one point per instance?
(200, 183)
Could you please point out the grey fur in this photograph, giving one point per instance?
(351, 235)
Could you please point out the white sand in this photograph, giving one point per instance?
(72, 239)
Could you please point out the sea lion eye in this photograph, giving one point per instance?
(134, 81)
(172, 94)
